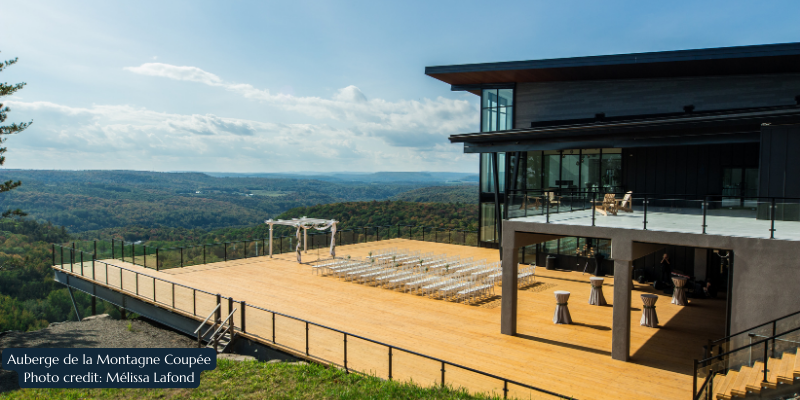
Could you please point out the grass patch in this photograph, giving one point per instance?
(256, 380)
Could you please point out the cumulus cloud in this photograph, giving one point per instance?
(418, 124)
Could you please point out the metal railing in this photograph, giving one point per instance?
(159, 258)
(702, 214)
(284, 331)
(740, 357)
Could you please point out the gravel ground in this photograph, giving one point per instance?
(100, 331)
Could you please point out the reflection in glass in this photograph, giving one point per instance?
(570, 168)
(590, 170)
(611, 172)
(552, 168)
(533, 170)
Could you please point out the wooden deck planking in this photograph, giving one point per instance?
(567, 359)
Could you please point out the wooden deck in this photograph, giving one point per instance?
(572, 360)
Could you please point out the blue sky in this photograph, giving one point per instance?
(306, 86)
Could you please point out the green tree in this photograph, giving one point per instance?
(7, 90)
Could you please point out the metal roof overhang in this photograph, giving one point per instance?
(714, 128)
(739, 60)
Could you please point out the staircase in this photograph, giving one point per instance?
(224, 332)
(750, 380)
(734, 366)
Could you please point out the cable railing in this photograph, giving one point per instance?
(746, 216)
(318, 342)
(160, 258)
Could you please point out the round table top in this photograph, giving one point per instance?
(596, 278)
(650, 296)
(561, 292)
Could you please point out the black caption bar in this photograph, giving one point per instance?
(109, 368)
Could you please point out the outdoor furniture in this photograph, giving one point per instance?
(596, 298)
(607, 206)
(552, 199)
(626, 203)
(649, 317)
(532, 202)
(679, 294)
(562, 312)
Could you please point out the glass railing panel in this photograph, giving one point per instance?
(737, 217)
(787, 219)
(674, 214)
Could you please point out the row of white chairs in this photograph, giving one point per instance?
(441, 276)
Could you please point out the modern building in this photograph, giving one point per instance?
(703, 143)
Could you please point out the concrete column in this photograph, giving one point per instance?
(700, 264)
(621, 322)
(510, 263)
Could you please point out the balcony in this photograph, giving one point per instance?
(751, 217)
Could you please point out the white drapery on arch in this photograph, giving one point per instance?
(305, 224)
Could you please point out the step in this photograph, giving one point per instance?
(772, 374)
(738, 388)
(724, 392)
(796, 372)
(787, 366)
(754, 385)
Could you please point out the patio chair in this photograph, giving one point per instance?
(551, 198)
(608, 206)
(531, 202)
(626, 203)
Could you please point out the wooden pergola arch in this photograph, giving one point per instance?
(305, 224)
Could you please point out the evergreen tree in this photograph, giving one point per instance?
(7, 90)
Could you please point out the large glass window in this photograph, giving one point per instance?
(570, 169)
(533, 170)
(488, 229)
(552, 169)
(590, 169)
(497, 110)
(487, 172)
(611, 170)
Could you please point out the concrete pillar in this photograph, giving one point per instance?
(621, 322)
(510, 263)
(700, 264)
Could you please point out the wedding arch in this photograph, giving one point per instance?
(305, 224)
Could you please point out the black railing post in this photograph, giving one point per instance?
(144, 256)
(157, 266)
(306, 337)
(694, 379)
(774, 329)
(273, 328)
(173, 293)
(225, 251)
(345, 354)
(243, 305)
(219, 309)
(772, 219)
(95, 252)
(766, 360)
(505, 389)
(181, 257)
(390, 362)
(194, 301)
(710, 390)
(705, 211)
(547, 201)
(442, 373)
(645, 211)
(594, 200)
(133, 253)
(82, 273)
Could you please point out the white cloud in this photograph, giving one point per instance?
(419, 124)
(126, 137)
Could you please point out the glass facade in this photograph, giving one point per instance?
(487, 172)
(488, 228)
(578, 170)
(497, 110)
